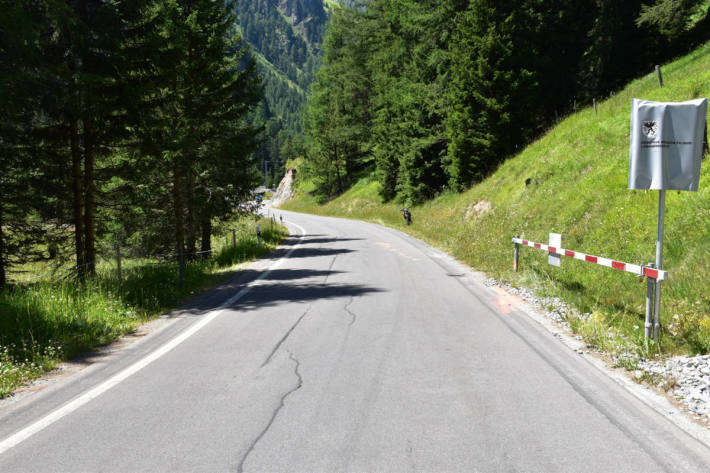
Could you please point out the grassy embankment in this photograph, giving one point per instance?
(49, 321)
(578, 187)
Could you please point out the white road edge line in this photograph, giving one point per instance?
(96, 391)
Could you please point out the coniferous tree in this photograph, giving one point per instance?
(80, 120)
(29, 197)
(194, 131)
(672, 18)
(338, 114)
(514, 66)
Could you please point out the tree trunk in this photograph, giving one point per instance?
(89, 190)
(2, 247)
(339, 181)
(191, 223)
(77, 189)
(206, 225)
(178, 209)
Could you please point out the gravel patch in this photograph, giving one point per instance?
(686, 378)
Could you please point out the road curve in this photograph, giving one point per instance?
(354, 348)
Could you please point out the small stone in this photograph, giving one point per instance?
(696, 395)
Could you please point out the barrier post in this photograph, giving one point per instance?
(516, 255)
(650, 299)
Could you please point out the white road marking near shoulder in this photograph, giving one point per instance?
(96, 391)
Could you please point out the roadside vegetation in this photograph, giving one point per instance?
(115, 136)
(53, 319)
(573, 181)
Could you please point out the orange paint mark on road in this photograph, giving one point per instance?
(505, 302)
(401, 254)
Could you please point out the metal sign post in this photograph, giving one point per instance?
(664, 154)
(650, 298)
(659, 261)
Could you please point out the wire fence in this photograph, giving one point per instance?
(115, 259)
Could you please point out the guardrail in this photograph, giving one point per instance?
(654, 275)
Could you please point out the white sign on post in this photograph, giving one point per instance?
(556, 242)
(665, 154)
(666, 144)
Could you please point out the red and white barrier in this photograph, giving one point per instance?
(657, 274)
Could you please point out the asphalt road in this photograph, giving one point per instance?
(354, 348)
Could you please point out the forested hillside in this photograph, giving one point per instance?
(432, 95)
(285, 38)
(120, 123)
(573, 180)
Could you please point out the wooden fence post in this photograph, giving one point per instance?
(118, 262)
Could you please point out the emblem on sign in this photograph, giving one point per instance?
(650, 128)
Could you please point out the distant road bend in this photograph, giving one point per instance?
(353, 348)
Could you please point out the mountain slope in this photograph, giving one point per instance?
(285, 37)
(573, 181)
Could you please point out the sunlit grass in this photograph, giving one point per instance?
(51, 320)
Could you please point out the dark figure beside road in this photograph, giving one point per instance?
(407, 216)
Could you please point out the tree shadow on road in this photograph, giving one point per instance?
(288, 274)
(274, 294)
(269, 295)
(315, 240)
(316, 252)
(278, 286)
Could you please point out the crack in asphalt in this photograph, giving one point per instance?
(299, 384)
(329, 270)
(282, 404)
(293, 327)
(353, 316)
(286, 335)
(410, 455)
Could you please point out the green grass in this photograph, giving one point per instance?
(578, 187)
(49, 321)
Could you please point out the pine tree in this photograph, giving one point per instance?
(28, 186)
(192, 126)
(80, 118)
(672, 18)
(494, 91)
(338, 114)
(409, 66)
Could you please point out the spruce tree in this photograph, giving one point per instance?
(192, 124)
(28, 198)
(338, 115)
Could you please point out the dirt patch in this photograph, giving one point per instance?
(479, 209)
